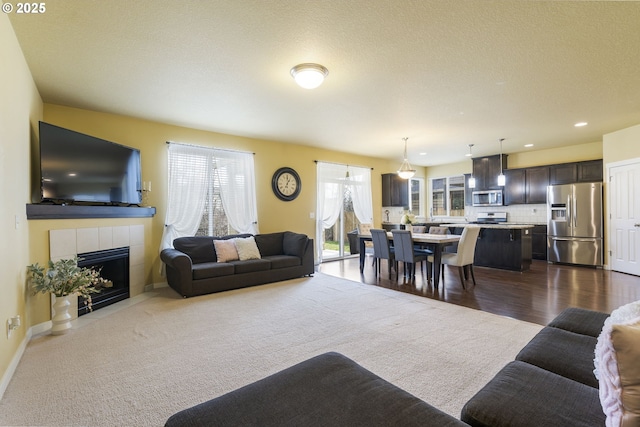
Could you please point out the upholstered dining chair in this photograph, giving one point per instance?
(463, 258)
(382, 250)
(418, 229)
(407, 253)
(438, 230)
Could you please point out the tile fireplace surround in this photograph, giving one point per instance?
(69, 242)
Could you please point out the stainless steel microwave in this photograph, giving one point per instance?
(487, 198)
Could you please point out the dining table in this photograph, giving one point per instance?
(434, 242)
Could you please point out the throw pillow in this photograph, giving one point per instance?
(247, 248)
(226, 250)
(618, 352)
(621, 314)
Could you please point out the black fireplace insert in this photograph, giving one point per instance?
(113, 265)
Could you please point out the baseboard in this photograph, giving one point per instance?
(152, 286)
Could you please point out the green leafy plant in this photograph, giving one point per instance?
(64, 277)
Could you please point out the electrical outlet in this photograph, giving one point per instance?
(13, 323)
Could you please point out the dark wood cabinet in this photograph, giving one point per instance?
(590, 171)
(537, 180)
(527, 185)
(515, 187)
(486, 170)
(539, 242)
(503, 248)
(566, 173)
(569, 173)
(395, 190)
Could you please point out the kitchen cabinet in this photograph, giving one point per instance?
(467, 190)
(569, 173)
(590, 171)
(395, 190)
(486, 170)
(527, 185)
(539, 242)
(503, 248)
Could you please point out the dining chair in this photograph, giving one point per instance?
(407, 253)
(418, 229)
(463, 258)
(382, 250)
(438, 230)
(364, 229)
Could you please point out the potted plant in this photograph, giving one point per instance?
(64, 279)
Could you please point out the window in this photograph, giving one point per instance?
(210, 192)
(416, 196)
(447, 196)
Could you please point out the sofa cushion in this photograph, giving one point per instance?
(247, 248)
(580, 321)
(326, 390)
(251, 265)
(225, 250)
(562, 352)
(294, 244)
(618, 354)
(206, 270)
(525, 395)
(269, 244)
(284, 261)
(199, 248)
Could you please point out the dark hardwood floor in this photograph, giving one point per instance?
(536, 296)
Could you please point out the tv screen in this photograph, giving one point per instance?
(75, 167)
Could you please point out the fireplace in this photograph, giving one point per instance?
(113, 265)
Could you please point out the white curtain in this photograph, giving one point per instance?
(191, 170)
(189, 177)
(237, 189)
(330, 195)
(360, 185)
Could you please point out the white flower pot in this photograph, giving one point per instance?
(61, 318)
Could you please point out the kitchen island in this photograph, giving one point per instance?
(507, 246)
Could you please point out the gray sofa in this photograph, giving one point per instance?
(192, 268)
(551, 383)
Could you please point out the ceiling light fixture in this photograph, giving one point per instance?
(406, 171)
(501, 178)
(308, 75)
(580, 124)
(472, 180)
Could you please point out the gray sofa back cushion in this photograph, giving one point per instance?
(201, 248)
(294, 244)
(269, 244)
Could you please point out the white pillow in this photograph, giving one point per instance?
(620, 315)
(618, 356)
(225, 250)
(247, 248)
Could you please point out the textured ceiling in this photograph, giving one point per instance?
(444, 73)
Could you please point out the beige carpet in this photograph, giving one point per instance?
(139, 365)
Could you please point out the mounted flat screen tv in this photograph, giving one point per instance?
(75, 167)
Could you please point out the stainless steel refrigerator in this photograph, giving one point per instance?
(575, 230)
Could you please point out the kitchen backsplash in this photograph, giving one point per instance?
(523, 214)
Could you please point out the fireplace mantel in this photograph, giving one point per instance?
(49, 211)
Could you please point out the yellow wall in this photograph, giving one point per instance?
(20, 110)
(622, 145)
(150, 138)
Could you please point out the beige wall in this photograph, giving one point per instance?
(20, 110)
(621, 145)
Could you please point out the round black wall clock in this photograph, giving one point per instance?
(286, 184)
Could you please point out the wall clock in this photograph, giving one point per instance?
(286, 184)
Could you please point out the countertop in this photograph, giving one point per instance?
(505, 225)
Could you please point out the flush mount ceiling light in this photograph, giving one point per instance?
(406, 171)
(472, 180)
(309, 76)
(581, 124)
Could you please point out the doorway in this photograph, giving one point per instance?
(624, 218)
(340, 240)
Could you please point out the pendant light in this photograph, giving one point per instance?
(406, 171)
(501, 178)
(472, 180)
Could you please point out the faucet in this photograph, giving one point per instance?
(386, 212)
